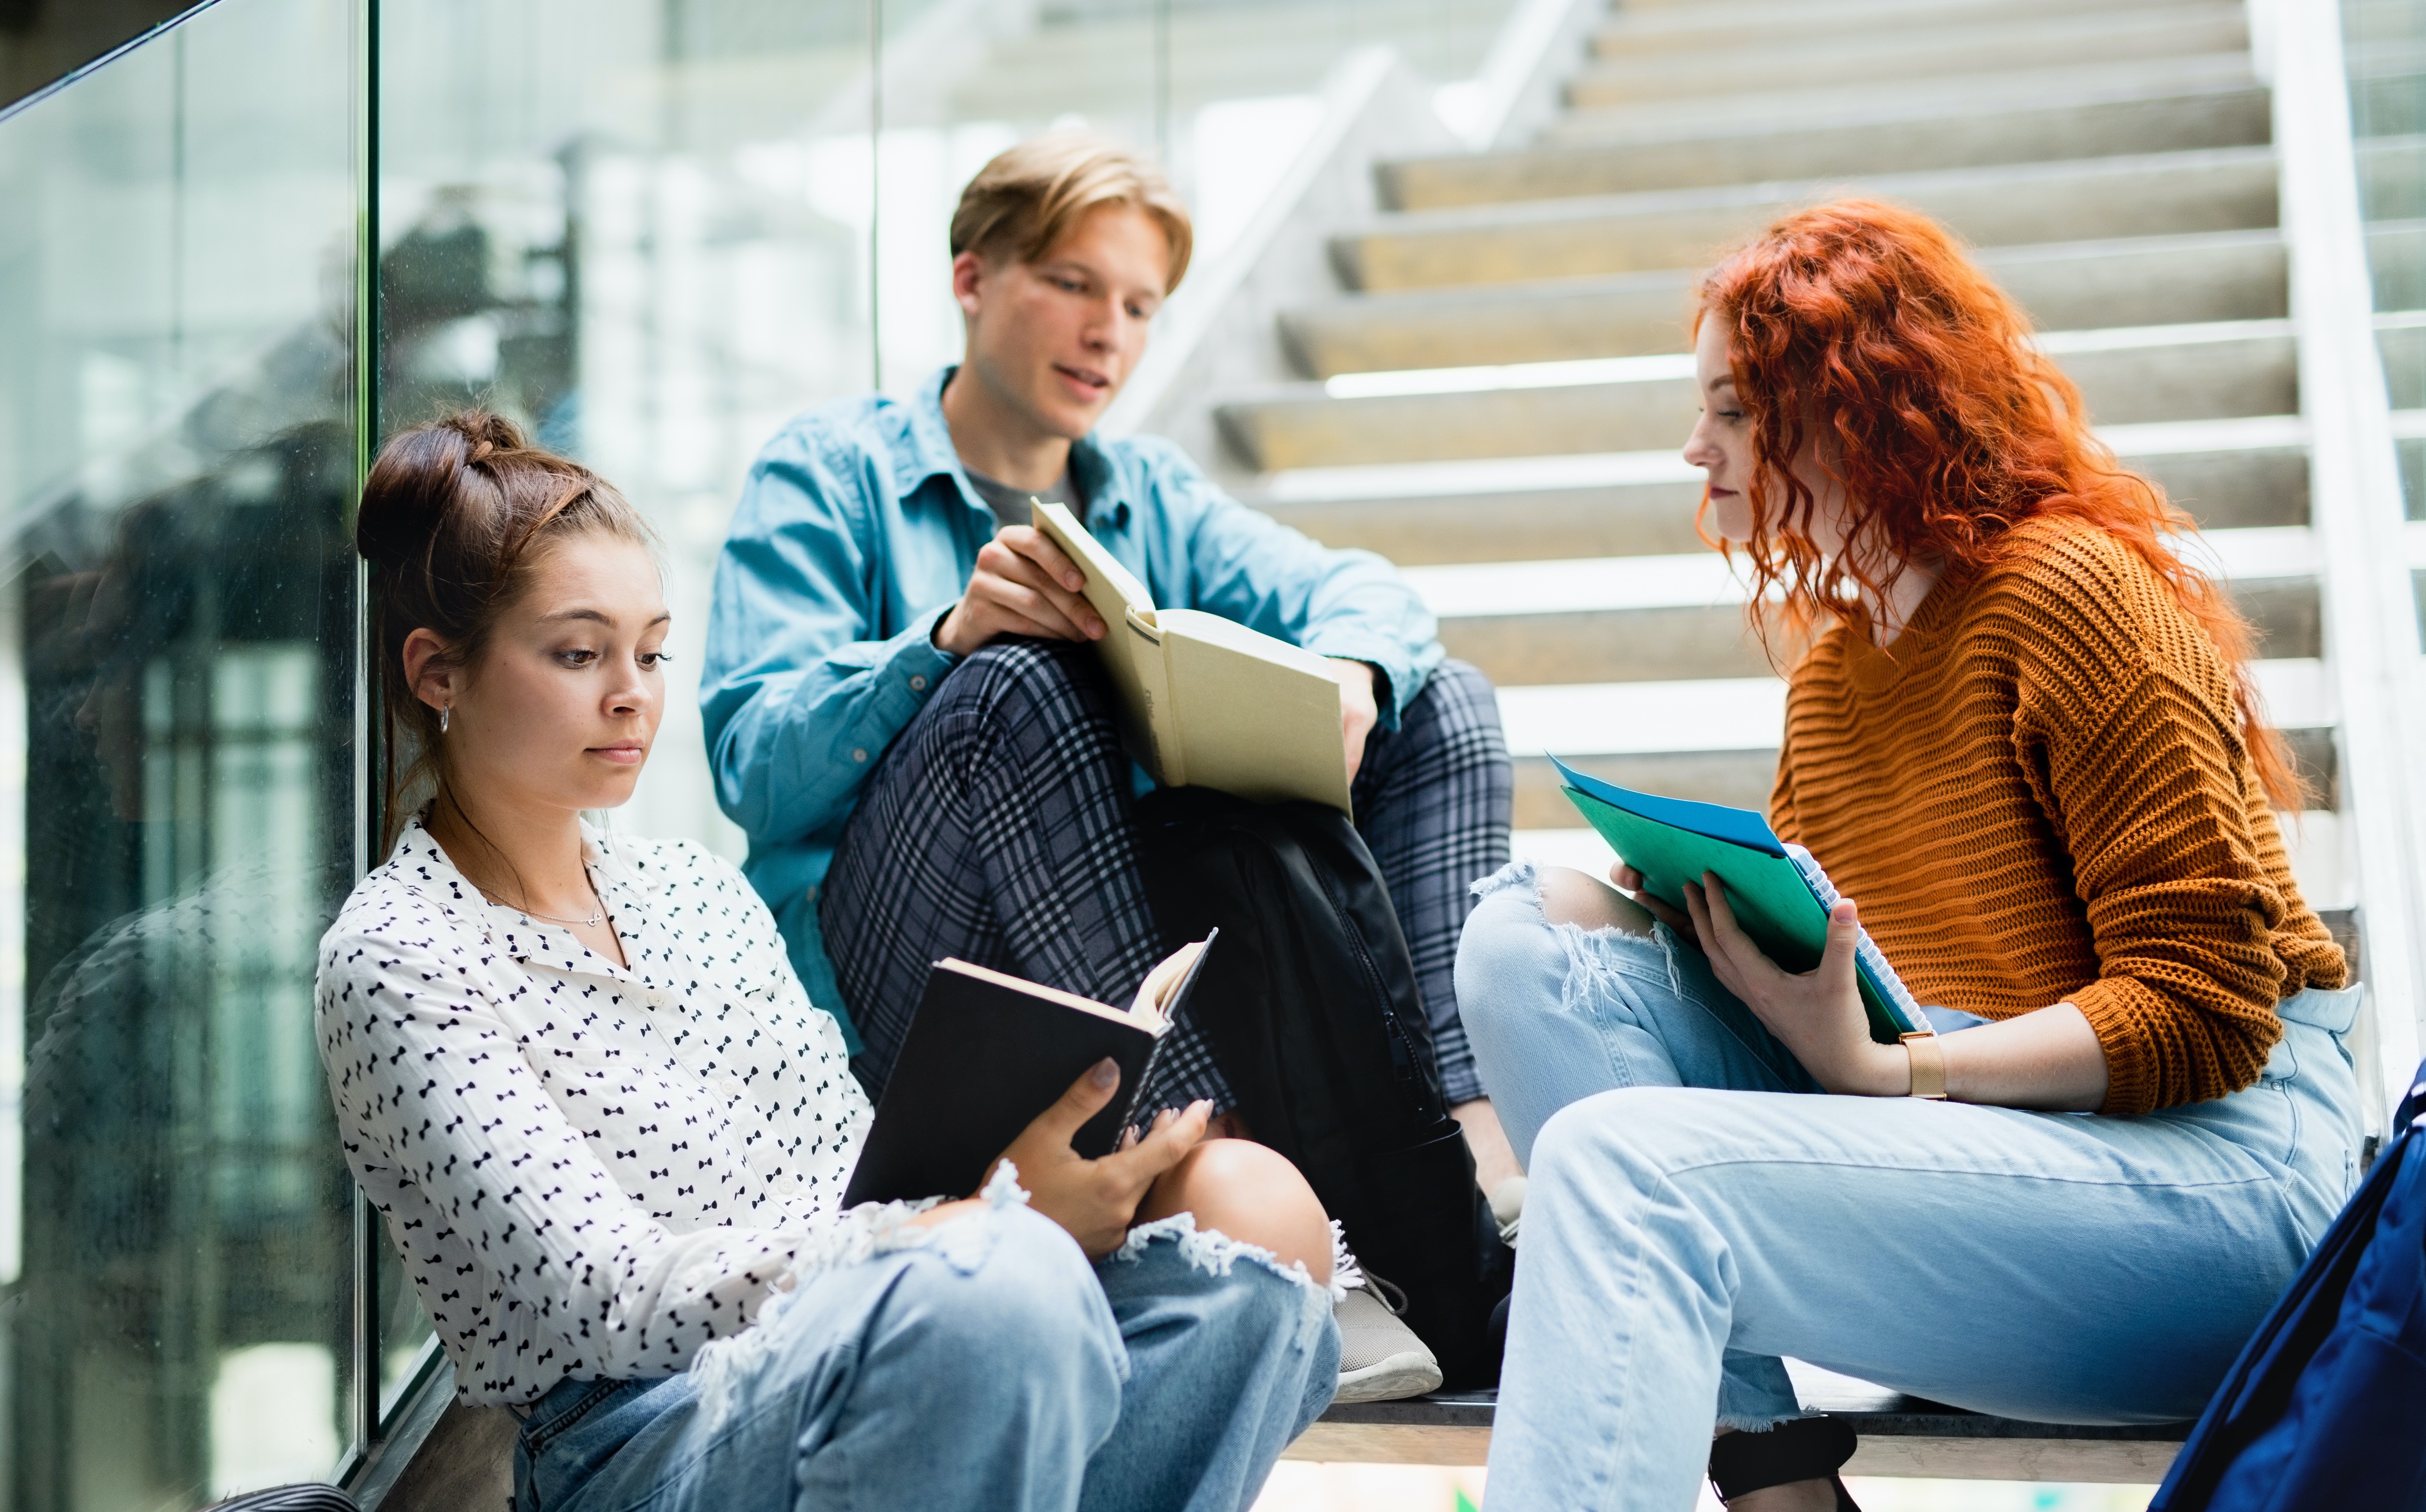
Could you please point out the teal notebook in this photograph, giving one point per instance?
(1779, 892)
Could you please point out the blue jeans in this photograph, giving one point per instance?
(988, 1367)
(1698, 1209)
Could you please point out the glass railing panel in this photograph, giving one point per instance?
(2384, 50)
(639, 229)
(177, 794)
(403, 1327)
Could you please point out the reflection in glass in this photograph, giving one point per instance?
(648, 229)
(176, 750)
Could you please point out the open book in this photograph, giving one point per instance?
(1206, 701)
(1779, 893)
(986, 1052)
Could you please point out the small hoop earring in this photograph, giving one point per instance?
(444, 715)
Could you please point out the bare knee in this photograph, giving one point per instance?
(1249, 1193)
(1569, 896)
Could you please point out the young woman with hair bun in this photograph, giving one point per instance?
(609, 1134)
(2023, 734)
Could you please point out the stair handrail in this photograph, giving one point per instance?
(1523, 80)
(1220, 329)
(2370, 631)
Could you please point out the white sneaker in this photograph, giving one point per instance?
(1380, 1360)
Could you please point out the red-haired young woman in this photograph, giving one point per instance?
(2023, 736)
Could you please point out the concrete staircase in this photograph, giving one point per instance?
(1495, 396)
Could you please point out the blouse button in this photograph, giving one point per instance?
(785, 1185)
(918, 681)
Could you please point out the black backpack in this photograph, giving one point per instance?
(1312, 1012)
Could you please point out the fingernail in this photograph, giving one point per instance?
(1072, 582)
(1106, 1071)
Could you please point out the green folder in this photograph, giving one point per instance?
(1779, 893)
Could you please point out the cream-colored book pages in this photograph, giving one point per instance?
(1159, 983)
(1131, 648)
(1258, 716)
(1113, 589)
(1145, 1016)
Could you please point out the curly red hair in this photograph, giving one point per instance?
(1870, 323)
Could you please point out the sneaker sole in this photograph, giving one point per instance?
(1390, 1378)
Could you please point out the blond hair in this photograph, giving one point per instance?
(1032, 195)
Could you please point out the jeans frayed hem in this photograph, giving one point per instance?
(1518, 873)
(1214, 1252)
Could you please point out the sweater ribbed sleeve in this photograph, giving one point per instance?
(2042, 793)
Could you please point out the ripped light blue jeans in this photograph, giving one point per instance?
(1697, 1209)
(990, 1367)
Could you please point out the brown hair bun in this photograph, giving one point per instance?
(453, 518)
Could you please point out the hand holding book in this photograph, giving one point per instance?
(1095, 1199)
(1816, 1014)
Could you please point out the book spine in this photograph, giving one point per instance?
(1145, 1079)
(1867, 953)
(1170, 741)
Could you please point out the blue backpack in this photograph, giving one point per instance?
(2326, 1406)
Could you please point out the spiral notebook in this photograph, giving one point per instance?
(1779, 892)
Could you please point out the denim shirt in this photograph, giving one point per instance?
(857, 532)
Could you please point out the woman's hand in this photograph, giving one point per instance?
(1095, 1199)
(1816, 1014)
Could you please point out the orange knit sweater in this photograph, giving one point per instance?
(2040, 793)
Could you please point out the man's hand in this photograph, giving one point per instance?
(1023, 586)
(1358, 713)
(1816, 1014)
(1095, 1199)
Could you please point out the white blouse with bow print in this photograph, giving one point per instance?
(589, 1170)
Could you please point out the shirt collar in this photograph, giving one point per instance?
(930, 452)
(518, 934)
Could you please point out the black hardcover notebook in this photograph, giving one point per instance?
(986, 1052)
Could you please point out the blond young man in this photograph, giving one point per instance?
(903, 705)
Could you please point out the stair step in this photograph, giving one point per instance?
(1900, 1435)
(2140, 281)
(2400, 342)
(1742, 778)
(2237, 473)
(1747, 714)
(2230, 188)
(1665, 642)
(2241, 368)
(1702, 578)
(2392, 177)
(2221, 490)
(2228, 113)
(1793, 56)
(2395, 256)
(1739, 779)
(1635, 29)
(1824, 99)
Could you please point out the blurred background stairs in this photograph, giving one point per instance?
(1495, 389)
(1496, 394)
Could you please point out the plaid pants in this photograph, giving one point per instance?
(998, 828)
